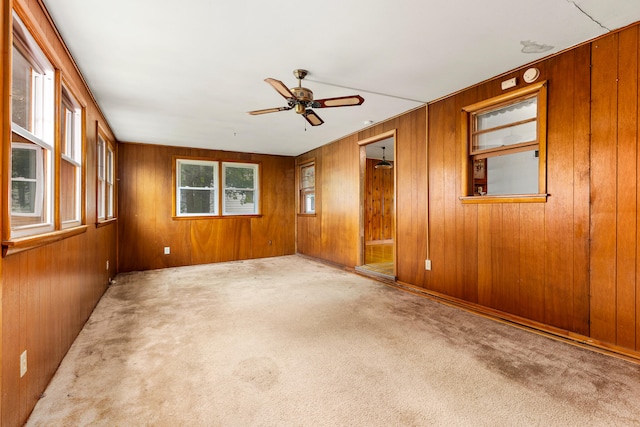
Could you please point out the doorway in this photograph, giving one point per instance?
(378, 208)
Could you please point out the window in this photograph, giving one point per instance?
(506, 146)
(32, 136)
(70, 160)
(105, 181)
(307, 181)
(213, 189)
(240, 189)
(196, 187)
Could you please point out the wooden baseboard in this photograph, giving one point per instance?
(524, 323)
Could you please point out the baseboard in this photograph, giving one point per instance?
(525, 324)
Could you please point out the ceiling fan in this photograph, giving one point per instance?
(302, 100)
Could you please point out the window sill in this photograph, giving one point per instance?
(507, 198)
(13, 246)
(307, 215)
(196, 217)
(105, 222)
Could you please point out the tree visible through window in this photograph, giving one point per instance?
(240, 188)
(213, 188)
(32, 136)
(196, 187)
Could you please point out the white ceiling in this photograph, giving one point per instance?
(185, 73)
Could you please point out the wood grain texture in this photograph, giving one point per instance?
(626, 214)
(49, 292)
(146, 224)
(379, 202)
(603, 256)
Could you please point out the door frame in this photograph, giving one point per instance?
(363, 167)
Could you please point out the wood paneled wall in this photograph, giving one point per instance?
(570, 265)
(378, 203)
(526, 259)
(49, 292)
(333, 233)
(146, 225)
(615, 190)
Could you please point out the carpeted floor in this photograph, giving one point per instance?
(291, 342)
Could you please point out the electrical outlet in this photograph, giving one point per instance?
(167, 250)
(427, 264)
(23, 363)
(107, 264)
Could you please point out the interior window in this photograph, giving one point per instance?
(506, 145)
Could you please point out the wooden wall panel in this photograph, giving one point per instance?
(604, 102)
(340, 202)
(627, 235)
(49, 292)
(615, 186)
(274, 235)
(379, 202)
(146, 225)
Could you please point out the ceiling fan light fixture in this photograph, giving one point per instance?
(383, 164)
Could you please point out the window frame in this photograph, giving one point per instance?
(469, 154)
(38, 180)
(177, 187)
(77, 157)
(40, 132)
(305, 191)
(255, 189)
(219, 188)
(106, 188)
(43, 120)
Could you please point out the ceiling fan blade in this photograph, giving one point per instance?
(280, 87)
(342, 101)
(269, 110)
(312, 118)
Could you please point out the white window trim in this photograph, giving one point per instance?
(214, 187)
(255, 189)
(39, 179)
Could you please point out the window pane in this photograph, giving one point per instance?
(194, 175)
(23, 197)
(197, 201)
(513, 174)
(240, 189)
(239, 177)
(21, 91)
(524, 110)
(307, 176)
(309, 203)
(239, 202)
(23, 163)
(525, 132)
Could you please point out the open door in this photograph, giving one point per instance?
(378, 216)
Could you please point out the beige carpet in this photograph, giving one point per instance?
(291, 342)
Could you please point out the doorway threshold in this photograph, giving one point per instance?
(377, 271)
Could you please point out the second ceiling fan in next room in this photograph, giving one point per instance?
(301, 99)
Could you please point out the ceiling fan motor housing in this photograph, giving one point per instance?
(303, 96)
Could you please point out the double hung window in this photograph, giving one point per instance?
(211, 188)
(106, 173)
(307, 193)
(506, 146)
(70, 160)
(32, 136)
